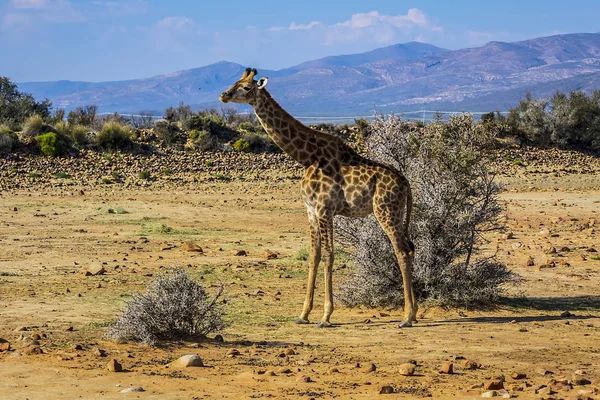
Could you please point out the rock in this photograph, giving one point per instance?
(507, 235)
(192, 247)
(99, 352)
(334, 371)
(518, 375)
(543, 371)
(545, 391)
(239, 253)
(487, 394)
(494, 384)
(566, 314)
(284, 370)
(530, 263)
(233, 353)
(219, 338)
(77, 347)
(550, 250)
(303, 378)
(4, 345)
(92, 270)
(406, 369)
(32, 350)
(386, 390)
(67, 328)
(21, 329)
(114, 366)
(579, 381)
(290, 352)
(591, 250)
(565, 249)
(190, 360)
(370, 368)
(271, 255)
(133, 389)
(470, 364)
(447, 368)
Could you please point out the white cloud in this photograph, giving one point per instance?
(297, 27)
(29, 4)
(371, 27)
(174, 23)
(123, 8)
(33, 12)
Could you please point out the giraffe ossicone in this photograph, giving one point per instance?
(337, 181)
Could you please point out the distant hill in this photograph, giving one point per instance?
(401, 77)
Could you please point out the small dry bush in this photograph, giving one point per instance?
(455, 203)
(114, 137)
(173, 307)
(34, 126)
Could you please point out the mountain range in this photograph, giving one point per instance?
(402, 77)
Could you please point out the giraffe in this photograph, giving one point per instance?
(336, 181)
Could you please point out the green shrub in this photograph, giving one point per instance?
(114, 137)
(85, 116)
(49, 144)
(166, 132)
(8, 139)
(145, 175)
(209, 163)
(247, 126)
(241, 145)
(207, 141)
(193, 134)
(62, 175)
(79, 134)
(34, 126)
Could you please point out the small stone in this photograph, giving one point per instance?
(21, 329)
(239, 253)
(543, 371)
(530, 263)
(491, 393)
(334, 371)
(290, 352)
(386, 390)
(303, 378)
(99, 352)
(591, 250)
(67, 328)
(114, 366)
(284, 370)
(233, 353)
(507, 235)
(406, 369)
(494, 384)
(566, 314)
(550, 250)
(77, 347)
(190, 360)
(470, 364)
(4, 345)
(271, 255)
(545, 391)
(565, 249)
(32, 350)
(92, 270)
(518, 375)
(192, 247)
(133, 389)
(447, 368)
(581, 381)
(581, 258)
(370, 368)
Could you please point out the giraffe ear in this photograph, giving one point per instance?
(262, 82)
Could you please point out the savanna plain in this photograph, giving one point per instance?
(542, 340)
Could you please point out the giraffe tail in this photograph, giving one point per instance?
(409, 205)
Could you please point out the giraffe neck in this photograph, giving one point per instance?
(288, 133)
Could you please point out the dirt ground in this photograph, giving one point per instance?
(47, 235)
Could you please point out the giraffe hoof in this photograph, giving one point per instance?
(323, 324)
(405, 324)
(301, 321)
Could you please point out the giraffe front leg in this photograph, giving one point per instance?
(314, 260)
(326, 231)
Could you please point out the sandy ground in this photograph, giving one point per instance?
(47, 235)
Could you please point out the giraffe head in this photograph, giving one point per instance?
(245, 90)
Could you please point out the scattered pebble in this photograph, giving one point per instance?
(114, 366)
(406, 369)
(190, 360)
(133, 389)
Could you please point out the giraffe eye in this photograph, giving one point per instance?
(246, 88)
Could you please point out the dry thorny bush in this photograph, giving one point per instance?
(455, 203)
(173, 307)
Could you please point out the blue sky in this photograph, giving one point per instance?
(102, 40)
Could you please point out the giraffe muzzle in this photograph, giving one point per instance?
(224, 97)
